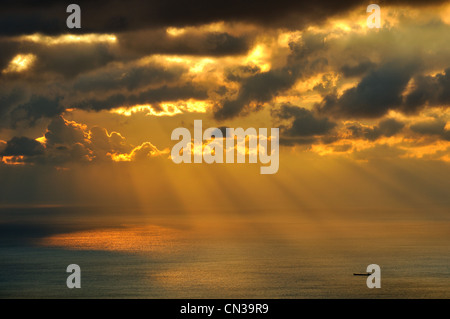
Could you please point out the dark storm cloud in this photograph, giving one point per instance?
(238, 73)
(72, 59)
(62, 59)
(49, 17)
(65, 142)
(326, 85)
(92, 67)
(23, 102)
(189, 42)
(131, 78)
(161, 94)
(261, 87)
(7, 52)
(309, 44)
(429, 90)
(9, 98)
(35, 108)
(305, 122)
(386, 128)
(304, 127)
(377, 93)
(102, 141)
(357, 70)
(70, 142)
(62, 136)
(97, 76)
(19, 106)
(22, 146)
(390, 127)
(434, 128)
(60, 132)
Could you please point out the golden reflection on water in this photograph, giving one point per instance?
(149, 238)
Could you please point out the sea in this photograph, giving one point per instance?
(182, 257)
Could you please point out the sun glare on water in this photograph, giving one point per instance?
(140, 239)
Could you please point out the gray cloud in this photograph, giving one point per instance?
(49, 17)
(157, 95)
(72, 59)
(386, 127)
(61, 132)
(261, 87)
(20, 106)
(22, 146)
(240, 72)
(67, 141)
(7, 52)
(435, 127)
(357, 70)
(304, 127)
(61, 59)
(190, 42)
(35, 108)
(377, 93)
(131, 78)
(429, 90)
(304, 123)
(8, 99)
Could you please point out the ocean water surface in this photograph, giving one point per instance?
(251, 258)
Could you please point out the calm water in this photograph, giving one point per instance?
(236, 260)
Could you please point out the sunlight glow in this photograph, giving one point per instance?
(13, 160)
(175, 31)
(259, 56)
(445, 13)
(135, 239)
(70, 38)
(42, 139)
(165, 109)
(143, 151)
(20, 63)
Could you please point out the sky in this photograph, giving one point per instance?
(86, 115)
